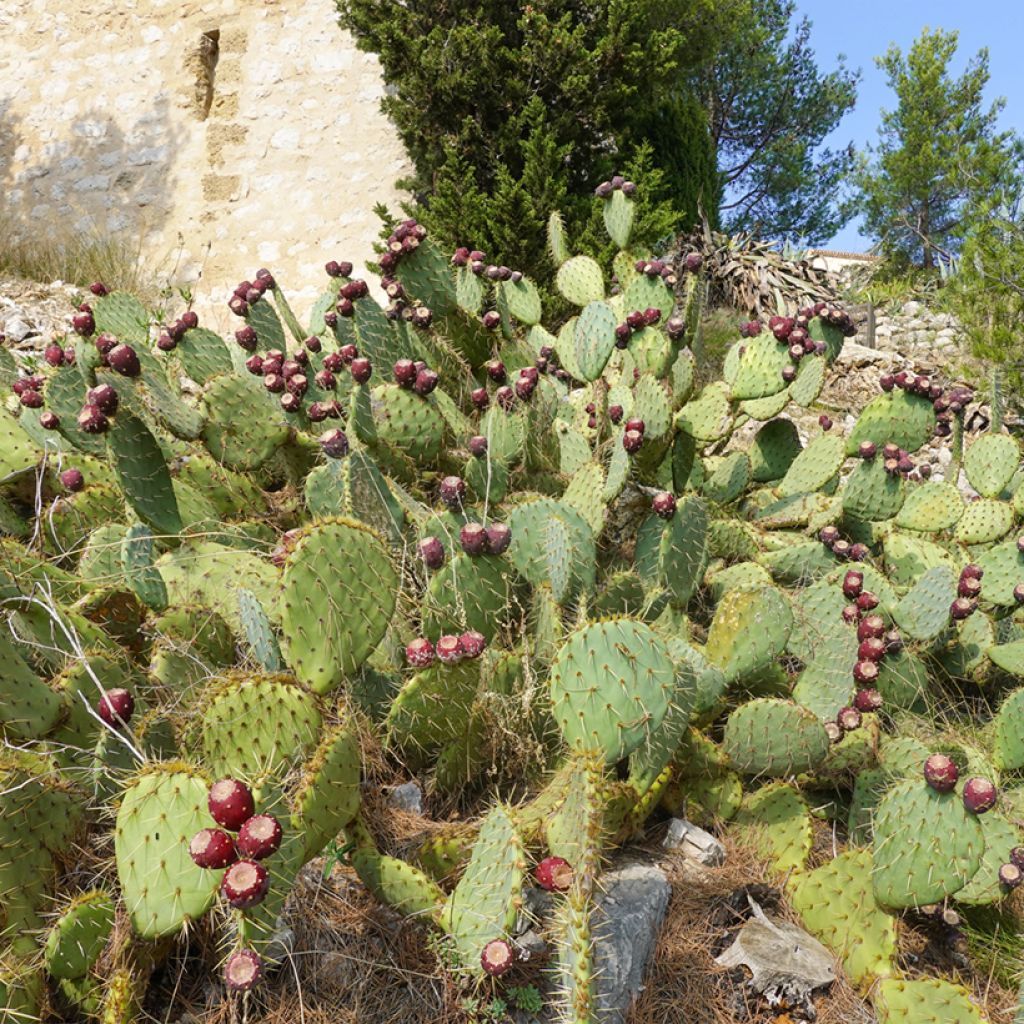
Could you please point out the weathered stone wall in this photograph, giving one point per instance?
(225, 134)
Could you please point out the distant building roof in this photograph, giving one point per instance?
(835, 254)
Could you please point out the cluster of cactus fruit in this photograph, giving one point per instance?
(675, 601)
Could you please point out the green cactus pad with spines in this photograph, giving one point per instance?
(255, 724)
(869, 785)
(398, 884)
(580, 280)
(203, 354)
(210, 574)
(505, 433)
(572, 828)
(681, 377)
(814, 467)
(683, 550)
(611, 685)
(773, 737)
(651, 351)
(123, 316)
(898, 418)
(923, 612)
(931, 508)
(907, 558)
(741, 576)
(728, 479)
(708, 416)
(810, 379)
(854, 753)
(163, 890)
(817, 615)
(65, 396)
(355, 487)
(426, 275)
(76, 939)
(1000, 838)
(984, 521)
(29, 708)
(903, 681)
(259, 633)
(1003, 565)
(408, 423)
(1008, 732)
(837, 905)
(139, 568)
(594, 338)
(263, 319)
(759, 369)
(649, 760)
(967, 658)
(924, 1001)
(773, 450)
(432, 709)
(990, 463)
(338, 594)
(327, 798)
(871, 493)
(573, 448)
(584, 493)
(927, 846)
(468, 593)
(651, 404)
(484, 905)
(243, 428)
(70, 520)
(777, 820)
(552, 543)
(826, 684)
(523, 300)
(618, 211)
(749, 631)
(18, 453)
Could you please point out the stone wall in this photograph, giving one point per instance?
(914, 328)
(224, 134)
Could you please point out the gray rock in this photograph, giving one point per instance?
(630, 908)
(694, 842)
(786, 964)
(16, 329)
(407, 797)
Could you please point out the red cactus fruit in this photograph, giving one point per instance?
(941, 772)
(1010, 876)
(432, 552)
(499, 536)
(452, 491)
(979, 795)
(124, 360)
(866, 600)
(334, 443)
(473, 643)
(259, 837)
(497, 957)
(554, 874)
(867, 700)
(72, 480)
(49, 420)
(962, 608)
(872, 649)
(865, 673)
(871, 625)
(449, 649)
(420, 653)
(212, 848)
(242, 970)
(115, 707)
(230, 803)
(853, 584)
(245, 884)
(362, 369)
(632, 441)
(664, 505)
(848, 719)
(473, 538)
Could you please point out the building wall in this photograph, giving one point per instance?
(225, 134)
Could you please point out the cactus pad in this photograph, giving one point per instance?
(580, 280)
(898, 418)
(76, 939)
(337, 597)
(776, 818)
(773, 737)
(924, 1001)
(611, 684)
(931, 508)
(990, 463)
(814, 467)
(749, 631)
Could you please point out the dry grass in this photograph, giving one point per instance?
(75, 258)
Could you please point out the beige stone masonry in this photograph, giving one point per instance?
(227, 135)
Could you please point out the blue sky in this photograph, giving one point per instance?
(863, 29)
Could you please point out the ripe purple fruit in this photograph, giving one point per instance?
(83, 324)
(491, 320)
(825, 422)
(867, 700)
(420, 653)
(850, 614)
(242, 970)
(979, 795)
(848, 719)
(865, 673)
(291, 403)
(432, 552)
(453, 491)
(841, 549)
(1010, 876)
(962, 608)
(789, 374)
(637, 425)
(664, 505)
(480, 398)
(867, 449)
(1017, 856)
(124, 360)
(968, 587)
(49, 420)
(632, 441)
(449, 649)
(499, 536)
(72, 480)
(871, 625)
(405, 373)
(972, 572)
(478, 446)
(615, 413)
(473, 643)
(941, 772)
(92, 421)
(230, 803)
(259, 837)
(245, 884)
(1018, 593)
(334, 443)
(473, 538)
(212, 848)
(362, 368)
(505, 397)
(54, 354)
(426, 381)
(872, 649)
(115, 707)
(833, 732)
(853, 583)
(31, 399)
(496, 958)
(866, 601)
(828, 535)
(858, 552)
(554, 874)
